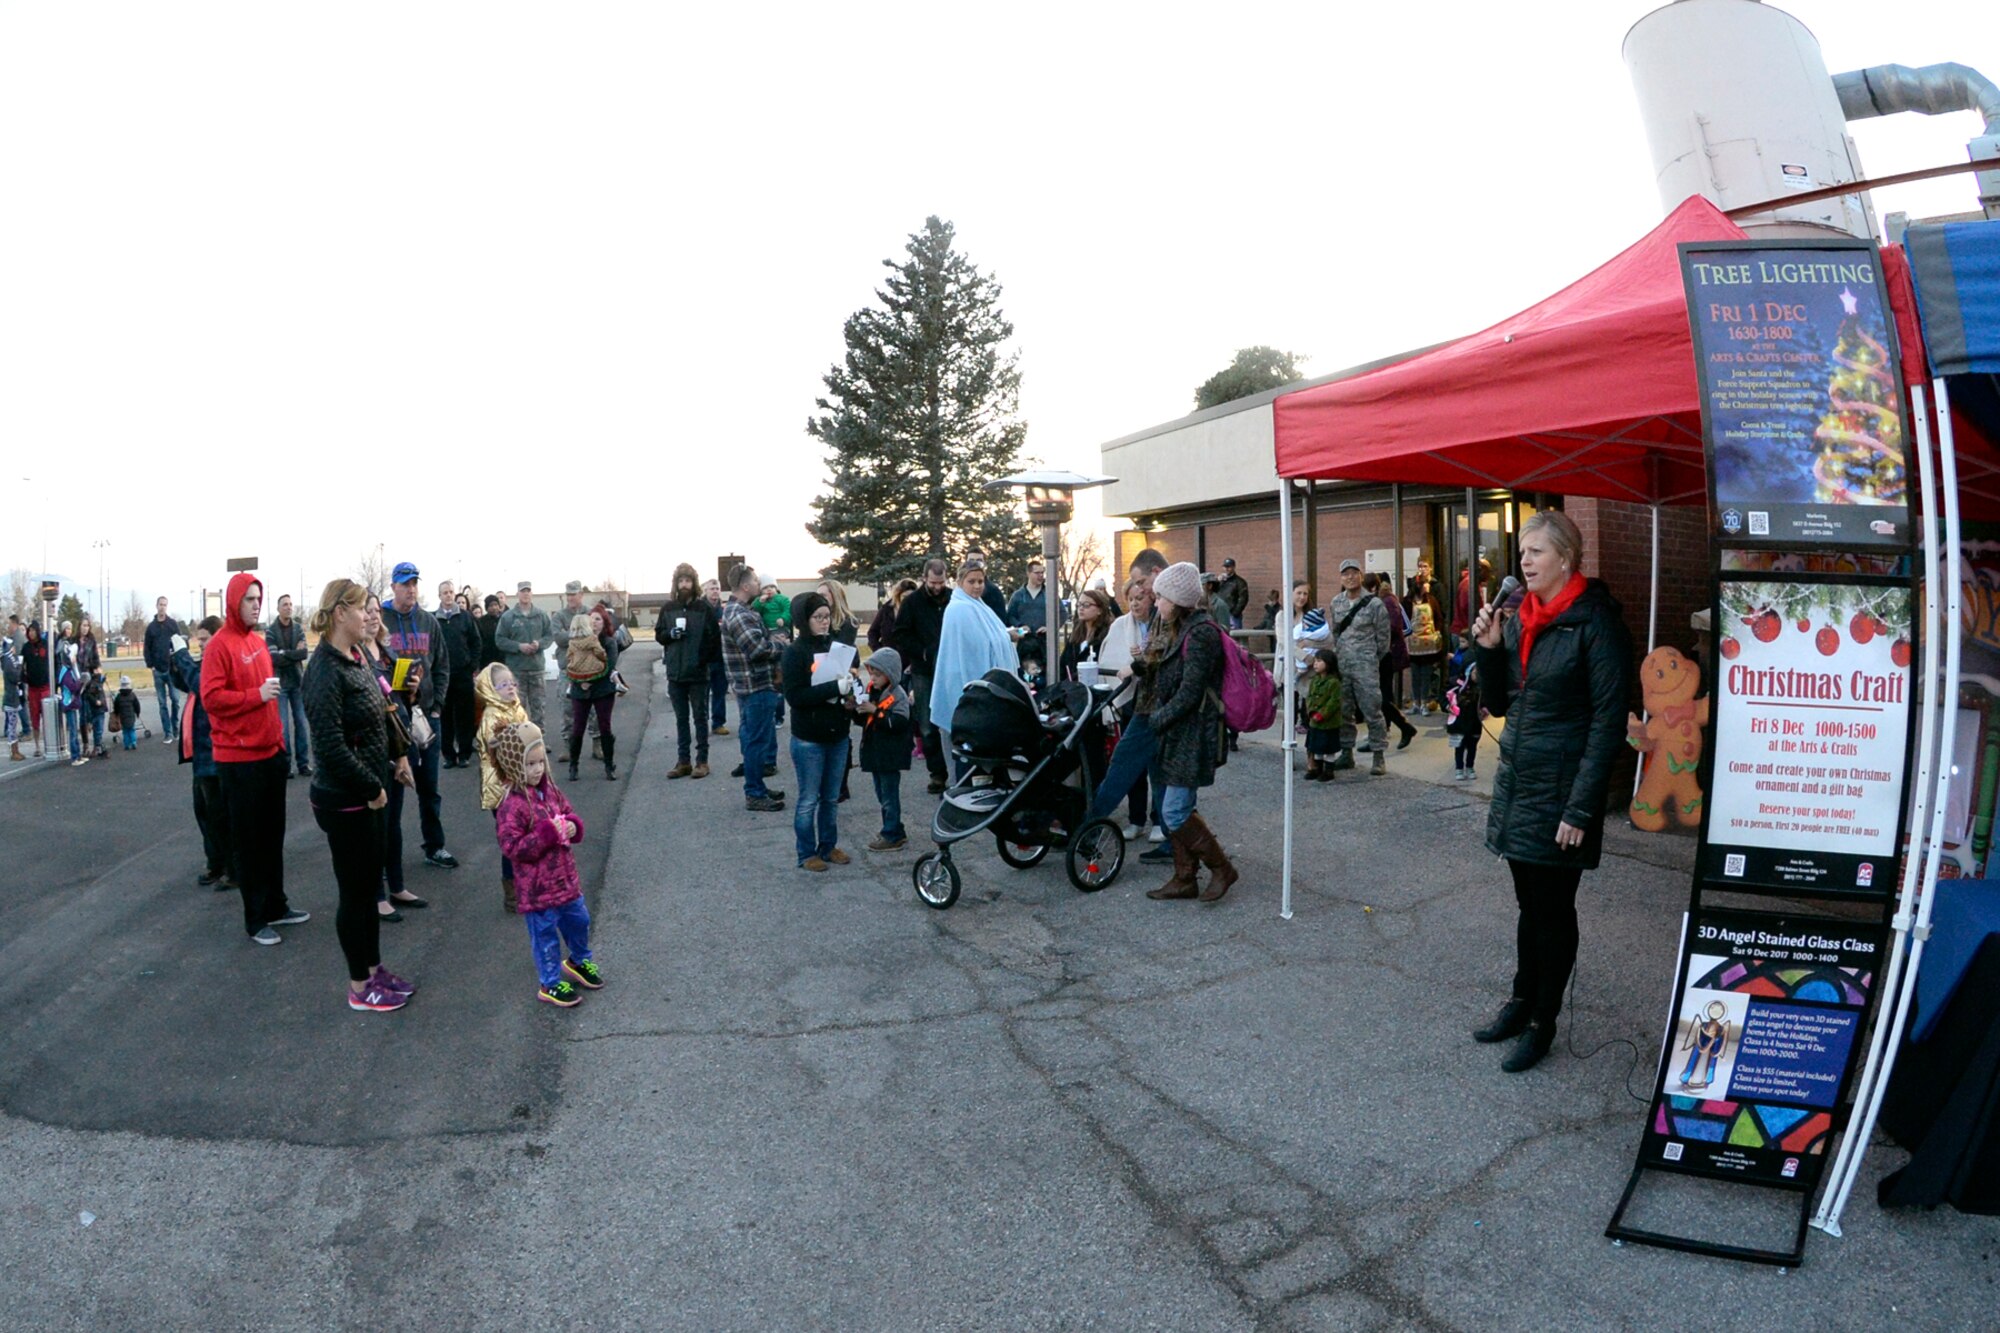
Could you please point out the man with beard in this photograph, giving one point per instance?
(690, 637)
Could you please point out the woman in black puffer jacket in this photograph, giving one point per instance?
(1558, 672)
(1181, 693)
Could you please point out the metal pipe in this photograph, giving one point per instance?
(1931, 90)
(1652, 631)
(1282, 655)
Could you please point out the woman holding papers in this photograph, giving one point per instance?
(819, 680)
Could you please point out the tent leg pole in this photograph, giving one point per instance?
(1652, 628)
(1281, 657)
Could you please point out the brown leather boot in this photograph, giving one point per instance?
(1205, 849)
(1184, 883)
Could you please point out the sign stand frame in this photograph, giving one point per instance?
(1897, 541)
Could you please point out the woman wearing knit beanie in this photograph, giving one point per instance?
(1182, 675)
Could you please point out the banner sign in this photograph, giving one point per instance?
(1812, 703)
(1764, 1036)
(1801, 394)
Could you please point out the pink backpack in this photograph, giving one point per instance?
(1249, 695)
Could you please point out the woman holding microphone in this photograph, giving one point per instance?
(1558, 672)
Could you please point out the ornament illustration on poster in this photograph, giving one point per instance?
(1812, 708)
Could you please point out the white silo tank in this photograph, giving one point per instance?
(1738, 106)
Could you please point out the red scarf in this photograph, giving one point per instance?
(1536, 613)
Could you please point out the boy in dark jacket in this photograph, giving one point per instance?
(95, 708)
(125, 708)
(885, 743)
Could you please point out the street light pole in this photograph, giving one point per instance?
(1051, 498)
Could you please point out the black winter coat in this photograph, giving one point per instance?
(1183, 709)
(687, 658)
(919, 624)
(1565, 728)
(817, 713)
(351, 746)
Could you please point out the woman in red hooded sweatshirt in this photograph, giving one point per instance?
(239, 692)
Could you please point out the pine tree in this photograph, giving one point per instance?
(919, 415)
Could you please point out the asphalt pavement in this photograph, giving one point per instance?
(808, 1101)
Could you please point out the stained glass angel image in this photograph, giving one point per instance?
(1707, 1040)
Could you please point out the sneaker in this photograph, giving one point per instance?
(1134, 832)
(1157, 835)
(838, 857)
(168, 740)
(736, 772)
(763, 804)
(562, 995)
(388, 980)
(442, 859)
(375, 999)
(1158, 855)
(207, 877)
(305, 770)
(267, 936)
(586, 974)
(888, 844)
(79, 762)
(814, 864)
(770, 770)
(718, 730)
(292, 918)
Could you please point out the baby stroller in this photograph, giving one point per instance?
(1028, 776)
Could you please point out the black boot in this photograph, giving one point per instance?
(609, 745)
(1511, 1021)
(575, 753)
(1535, 1043)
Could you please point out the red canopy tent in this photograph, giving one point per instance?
(1590, 392)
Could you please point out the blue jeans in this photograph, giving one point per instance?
(820, 766)
(130, 737)
(1176, 805)
(1130, 764)
(718, 695)
(169, 700)
(889, 791)
(424, 768)
(553, 927)
(70, 724)
(298, 735)
(758, 737)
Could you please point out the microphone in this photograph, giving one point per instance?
(1510, 587)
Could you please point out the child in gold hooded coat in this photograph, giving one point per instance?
(498, 706)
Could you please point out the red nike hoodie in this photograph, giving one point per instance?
(243, 727)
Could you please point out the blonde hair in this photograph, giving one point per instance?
(580, 624)
(836, 597)
(1562, 533)
(340, 592)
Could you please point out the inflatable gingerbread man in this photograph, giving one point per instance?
(1670, 793)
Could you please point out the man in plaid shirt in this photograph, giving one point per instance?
(751, 655)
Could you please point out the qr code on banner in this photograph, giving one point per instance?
(1760, 523)
(1672, 1152)
(1732, 865)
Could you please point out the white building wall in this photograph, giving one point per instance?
(1206, 460)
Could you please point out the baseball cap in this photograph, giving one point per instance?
(1229, 562)
(1349, 563)
(405, 573)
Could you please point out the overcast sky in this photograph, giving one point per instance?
(546, 291)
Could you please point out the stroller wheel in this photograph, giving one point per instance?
(1096, 855)
(936, 880)
(1020, 855)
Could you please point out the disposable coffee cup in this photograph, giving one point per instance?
(680, 624)
(1087, 672)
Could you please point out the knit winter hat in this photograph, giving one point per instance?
(1179, 584)
(124, 681)
(511, 746)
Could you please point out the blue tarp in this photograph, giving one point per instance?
(1957, 272)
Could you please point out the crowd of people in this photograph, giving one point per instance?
(368, 698)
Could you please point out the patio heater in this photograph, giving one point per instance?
(1051, 498)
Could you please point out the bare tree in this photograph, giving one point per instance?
(134, 627)
(610, 590)
(20, 594)
(1078, 559)
(372, 570)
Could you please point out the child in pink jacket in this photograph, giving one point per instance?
(537, 829)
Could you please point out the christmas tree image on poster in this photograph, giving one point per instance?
(1860, 435)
